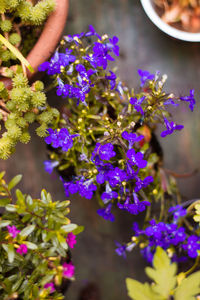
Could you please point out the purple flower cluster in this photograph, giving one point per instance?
(114, 178)
(57, 61)
(111, 179)
(104, 152)
(98, 57)
(167, 235)
(85, 188)
(136, 207)
(61, 139)
(192, 246)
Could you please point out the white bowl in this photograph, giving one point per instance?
(175, 33)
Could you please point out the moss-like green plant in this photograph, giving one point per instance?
(23, 103)
(34, 244)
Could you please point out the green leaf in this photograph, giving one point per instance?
(70, 227)
(9, 248)
(4, 223)
(4, 202)
(11, 207)
(46, 279)
(30, 245)
(163, 273)
(20, 198)
(78, 230)
(139, 291)
(189, 287)
(62, 241)
(2, 174)
(16, 52)
(44, 196)
(17, 284)
(14, 182)
(27, 230)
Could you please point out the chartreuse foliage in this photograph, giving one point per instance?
(21, 106)
(23, 103)
(41, 226)
(166, 283)
(197, 212)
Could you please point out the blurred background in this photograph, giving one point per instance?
(142, 46)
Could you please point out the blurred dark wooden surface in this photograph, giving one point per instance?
(142, 46)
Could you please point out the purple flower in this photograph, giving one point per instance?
(136, 158)
(70, 188)
(59, 59)
(190, 99)
(178, 212)
(86, 188)
(144, 76)
(137, 230)
(112, 78)
(50, 165)
(13, 231)
(141, 184)
(161, 234)
(71, 240)
(68, 270)
(112, 45)
(62, 89)
(120, 250)
(108, 196)
(92, 32)
(50, 286)
(192, 246)
(100, 56)
(131, 137)
(170, 101)
(105, 151)
(170, 128)
(60, 138)
(22, 249)
(137, 103)
(136, 207)
(116, 176)
(52, 138)
(148, 254)
(106, 213)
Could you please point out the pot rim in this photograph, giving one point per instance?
(169, 30)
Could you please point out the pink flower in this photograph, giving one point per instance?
(71, 240)
(51, 286)
(13, 231)
(22, 249)
(68, 270)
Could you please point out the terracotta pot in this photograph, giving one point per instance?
(48, 39)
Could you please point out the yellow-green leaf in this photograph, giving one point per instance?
(16, 52)
(139, 291)
(189, 288)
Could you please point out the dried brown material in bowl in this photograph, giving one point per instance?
(182, 14)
